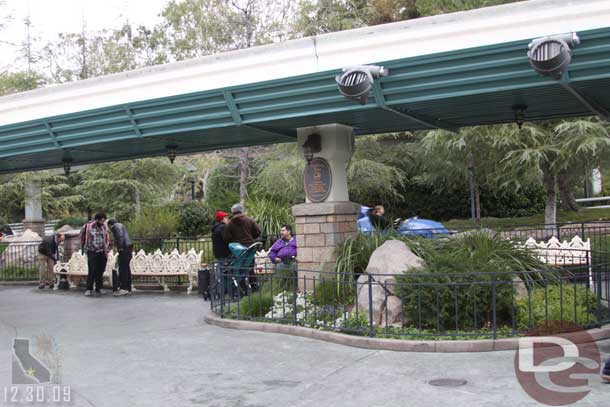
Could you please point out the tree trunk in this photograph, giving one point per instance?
(204, 185)
(243, 174)
(473, 208)
(138, 206)
(550, 206)
(566, 193)
(477, 200)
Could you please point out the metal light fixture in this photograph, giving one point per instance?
(171, 152)
(67, 166)
(550, 56)
(312, 145)
(356, 82)
(519, 114)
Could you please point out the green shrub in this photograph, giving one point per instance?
(560, 305)
(270, 214)
(15, 273)
(155, 223)
(255, 305)
(75, 221)
(459, 276)
(195, 220)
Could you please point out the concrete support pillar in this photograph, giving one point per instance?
(321, 226)
(33, 208)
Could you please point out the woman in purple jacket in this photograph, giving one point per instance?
(284, 250)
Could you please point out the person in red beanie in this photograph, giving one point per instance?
(219, 247)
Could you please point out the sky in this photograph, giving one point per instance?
(51, 17)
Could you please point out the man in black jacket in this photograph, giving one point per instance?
(219, 246)
(123, 244)
(48, 254)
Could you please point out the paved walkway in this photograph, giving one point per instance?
(154, 349)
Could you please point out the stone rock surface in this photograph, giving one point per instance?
(378, 295)
(393, 309)
(22, 250)
(520, 288)
(64, 229)
(392, 258)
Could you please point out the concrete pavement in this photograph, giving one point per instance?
(154, 349)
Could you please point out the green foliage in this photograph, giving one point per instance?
(155, 222)
(433, 7)
(58, 196)
(279, 174)
(356, 323)
(13, 82)
(74, 221)
(195, 220)
(122, 188)
(252, 306)
(223, 190)
(559, 304)
(269, 214)
(452, 268)
(17, 273)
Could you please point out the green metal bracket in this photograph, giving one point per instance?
(50, 130)
(378, 94)
(232, 107)
(133, 122)
(583, 98)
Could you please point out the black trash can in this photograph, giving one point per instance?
(203, 279)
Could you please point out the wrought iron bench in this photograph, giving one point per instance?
(157, 265)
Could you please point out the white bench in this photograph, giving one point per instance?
(573, 253)
(157, 265)
(576, 252)
(77, 267)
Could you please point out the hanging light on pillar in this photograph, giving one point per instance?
(312, 145)
(67, 166)
(519, 114)
(171, 152)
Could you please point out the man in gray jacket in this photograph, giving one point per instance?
(123, 244)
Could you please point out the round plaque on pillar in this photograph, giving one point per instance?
(318, 180)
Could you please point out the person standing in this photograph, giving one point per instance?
(378, 219)
(48, 255)
(241, 229)
(219, 246)
(94, 240)
(284, 250)
(124, 246)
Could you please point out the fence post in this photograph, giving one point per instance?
(371, 328)
(178, 244)
(558, 231)
(493, 305)
(582, 231)
(218, 274)
(294, 298)
(598, 288)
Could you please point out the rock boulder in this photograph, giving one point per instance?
(23, 250)
(390, 259)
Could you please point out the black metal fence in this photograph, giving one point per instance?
(458, 305)
(19, 261)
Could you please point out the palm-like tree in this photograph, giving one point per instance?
(557, 150)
